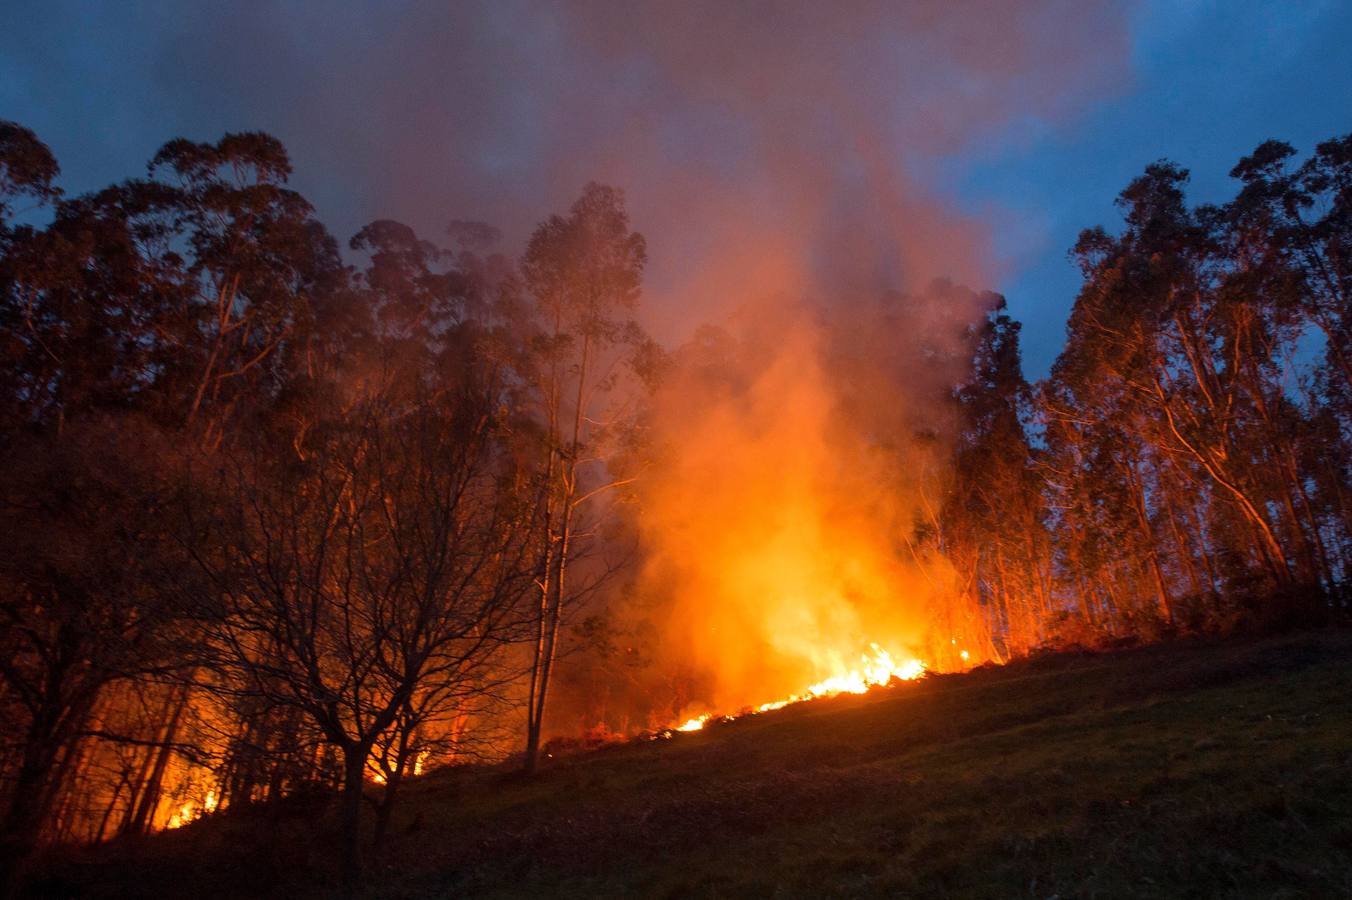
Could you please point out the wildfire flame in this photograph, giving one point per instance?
(779, 528)
(190, 811)
(379, 777)
(877, 668)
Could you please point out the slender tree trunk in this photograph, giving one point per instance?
(62, 818)
(108, 810)
(144, 817)
(1184, 551)
(349, 816)
(555, 614)
(30, 797)
(1162, 598)
(384, 810)
(534, 699)
(552, 609)
(1272, 553)
(1323, 568)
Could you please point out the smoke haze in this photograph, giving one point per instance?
(765, 148)
(784, 161)
(798, 453)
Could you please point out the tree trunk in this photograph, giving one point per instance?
(30, 796)
(144, 817)
(384, 810)
(349, 816)
(554, 581)
(534, 699)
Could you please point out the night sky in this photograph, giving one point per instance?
(761, 145)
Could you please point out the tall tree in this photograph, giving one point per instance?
(583, 272)
(993, 522)
(256, 264)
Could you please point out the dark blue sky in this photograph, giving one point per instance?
(1210, 81)
(759, 147)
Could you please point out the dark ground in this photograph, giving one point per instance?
(1218, 769)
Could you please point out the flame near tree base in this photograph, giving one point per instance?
(877, 668)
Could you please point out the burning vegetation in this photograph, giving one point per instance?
(875, 669)
(772, 519)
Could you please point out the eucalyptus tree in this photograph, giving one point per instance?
(583, 275)
(1293, 226)
(994, 523)
(256, 266)
(84, 482)
(27, 172)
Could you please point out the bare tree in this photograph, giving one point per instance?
(380, 564)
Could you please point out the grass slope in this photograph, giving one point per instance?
(1190, 770)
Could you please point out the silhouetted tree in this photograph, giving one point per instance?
(583, 273)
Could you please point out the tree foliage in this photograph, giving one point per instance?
(284, 520)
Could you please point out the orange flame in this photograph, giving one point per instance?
(878, 668)
(781, 527)
(191, 811)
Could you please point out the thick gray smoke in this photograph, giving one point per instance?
(771, 152)
(766, 147)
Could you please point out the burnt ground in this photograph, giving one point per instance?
(1195, 769)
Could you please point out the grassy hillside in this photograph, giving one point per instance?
(1204, 770)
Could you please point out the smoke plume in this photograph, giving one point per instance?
(766, 148)
(788, 163)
